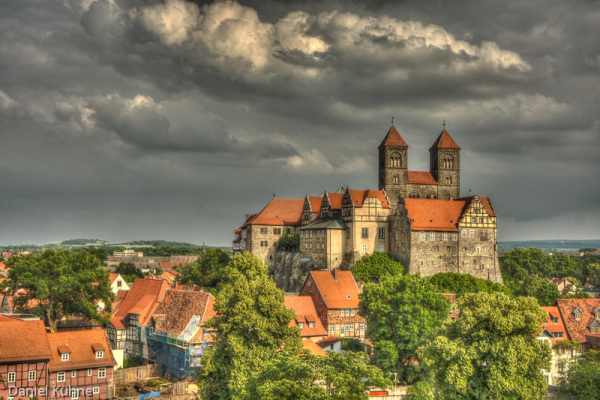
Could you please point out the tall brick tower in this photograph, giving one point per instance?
(393, 165)
(444, 164)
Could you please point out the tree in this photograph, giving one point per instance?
(401, 311)
(490, 351)
(59, 283)
(542, 289)
(307, 377)
(583, 377)
(588, 249)
(460, 284)
(251, 326)
(371, 268)
(204, 272)
(519, 263)
(289, 241)
(129, 271)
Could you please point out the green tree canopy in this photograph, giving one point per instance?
(461, 284)
(370, 268)
(308, 377)
(60, 283)
(583, 377)
(251, 325)
(289, 241)
(490, 351)
(401, 312)
(205, 271)
(544, 291)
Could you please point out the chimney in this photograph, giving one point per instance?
(247, 215)
(335, 274)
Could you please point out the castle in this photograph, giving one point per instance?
(416, 216)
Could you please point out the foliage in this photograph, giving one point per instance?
(155, 382)
(420, 391)
(60, 283)
(352, 344)
(588, 249)
(308, 377)
(490, 351)
(204, 272)
(372, 267)
(131, 362)
(542, 289)
(129, 271)
(461, 284)
(583, 377)
(567, 345)
(289, 241)
(251, 326)
(401, 312)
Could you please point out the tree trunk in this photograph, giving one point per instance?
(48, 319)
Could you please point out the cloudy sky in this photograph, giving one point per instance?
(172, 119)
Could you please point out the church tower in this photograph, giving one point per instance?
(444, 165)
(393, 165)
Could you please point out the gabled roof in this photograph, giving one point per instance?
(444, 141)
(358, 197)
(183, 314)
(279, 212)
(335, 199)
(113, 277)
(421, 178)
(23, 340)
(313, 348)
(306, 312)
(82, 346)
(578, 329)
(552, 327)
(337, 293)
(315, 203)
(393, 138)
(440, 215)
(141, 299)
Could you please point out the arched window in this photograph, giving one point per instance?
(448, 180)
(396, 178)
(448, 162)
(396, 160)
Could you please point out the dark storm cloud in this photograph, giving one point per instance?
(174, 118)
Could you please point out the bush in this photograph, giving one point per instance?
(371, 268)
(289, 241)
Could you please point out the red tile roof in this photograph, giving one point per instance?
(359, 196)
(141, 298)
(112, 277)
(554, 327)
(393, 138)
(313, 348)
(444, 141)
(177, 313)
(421, 178)
(335, 199)
(439, 215)
(315, 203)
(280, 212)
(81, 345)
(23, 340)
(306, 312)
(578, 329)
(340, 293)
(328, 341)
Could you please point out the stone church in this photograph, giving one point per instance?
(416, 216)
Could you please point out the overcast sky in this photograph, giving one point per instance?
(125, 119)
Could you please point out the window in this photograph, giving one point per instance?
(64, 357)
(361, 326)
(277, 231)
(310, 245)
(96, 390)
(454, 237)
(463, 233)
(381, 248)
(444, 236)
(331, 328)
(74, 393)
(101, 372)
(90, 372)
(305, 245)
(422, 236)
(311, 324)
(364, 233)
(352, 313)
(264, 231)
(100, 354)
(311, 233)
(73, 374)
(31, 376)
(60, 377)
(478, 249)
(342, 329)
(381, 233)
(364, 248)
(577, 317)
(396, 235)
(12, 377)
(301, 325)
(471, 233)
(448, 249)
(431, 236)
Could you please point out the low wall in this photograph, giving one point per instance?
(135, 374)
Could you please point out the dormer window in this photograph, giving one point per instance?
(311, 324)
(100, 354)
(301, 325)
(65, 357)
(577, 316)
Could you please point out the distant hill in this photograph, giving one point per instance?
(156, 243)
(83, 242)
(560, 245)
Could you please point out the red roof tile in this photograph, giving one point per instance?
(141, 298)
(313, 348)
(553, 327)
(578, 330)
(280, 212)
(305, 309)
(328, 341)
(340, 293)
(112, 277)
(393, 138)
(81, 345)
(444, 141)
(335, 199)
(439, 215)
(23, 340)
(421, 178)
(359, 196)
(315, 203)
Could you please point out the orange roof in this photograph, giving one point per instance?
(313, 348)
(578, 330)
(112, 277)
(554, 327)
(335, 199)
(444, 141)
(82, 346)
(141, 298)
(393, 138)
(306, 312)
(359, 196)
(340, 293)
(280, 212)
(23, 340)
(421, 177)
(171, 265)
(328, 341)
(315, 203)
(439, 215)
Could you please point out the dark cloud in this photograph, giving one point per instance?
(172, 119)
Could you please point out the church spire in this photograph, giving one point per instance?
(393, 138)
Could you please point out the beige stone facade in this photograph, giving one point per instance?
(417, 216)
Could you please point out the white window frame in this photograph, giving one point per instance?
(96, 390)
(311, 234)
(101, 373)
(61, 376)
(364, 248)
(454, 237)
(65, 357)
(11, 377)
(381, 248)
(432, 236)
(310, 245)
(463, 233)
(73, 374)
(74, 393)
(421, 235)
(445, 236)
(31, 375)
(91, 371)
(472, 234)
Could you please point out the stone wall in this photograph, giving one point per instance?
(136, 374)
(289, 271)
